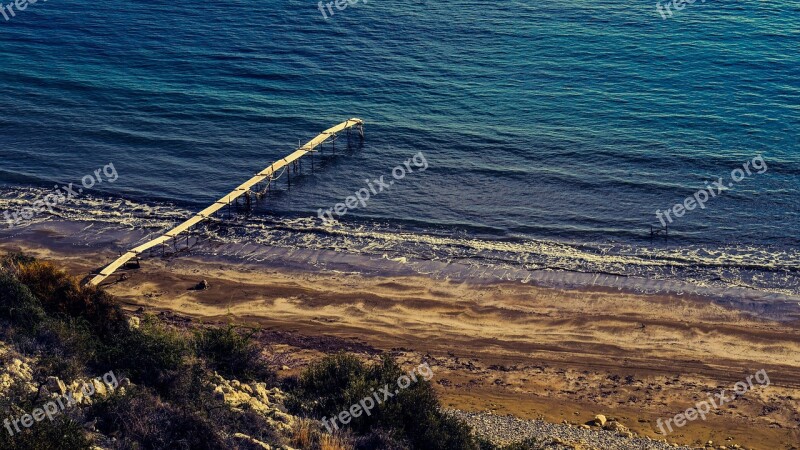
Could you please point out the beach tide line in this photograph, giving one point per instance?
(227, 199)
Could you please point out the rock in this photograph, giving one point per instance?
(55, 385)
(90, 425)
(99, 388)
(285, 368)
(133, 322)
(260, 390)
(257, 398)
(620, 429)
(202, 286)
(44, 392)
(248, 442)
(600, 420)
(283, 417)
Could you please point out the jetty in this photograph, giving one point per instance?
(267, 175)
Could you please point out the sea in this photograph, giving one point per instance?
(552, 134)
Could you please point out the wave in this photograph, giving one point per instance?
(734, 271)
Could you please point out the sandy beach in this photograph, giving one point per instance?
(505, 348)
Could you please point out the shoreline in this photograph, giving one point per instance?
(101, 237)
(504, 347)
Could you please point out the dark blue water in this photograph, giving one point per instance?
(553, 130)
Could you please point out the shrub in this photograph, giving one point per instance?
(18, 304)
(61, 294)
(233, 354)
(412, 415)
(143, 421)
(152, 354)
(64, 348)
(60, 434)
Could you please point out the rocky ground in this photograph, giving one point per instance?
(611, 435)
(16, 379)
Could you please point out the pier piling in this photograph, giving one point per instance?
(243, 189)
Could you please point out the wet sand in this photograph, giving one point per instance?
(511, 348)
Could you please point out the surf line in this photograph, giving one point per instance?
(286, 163)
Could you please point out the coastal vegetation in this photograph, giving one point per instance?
(187, 386)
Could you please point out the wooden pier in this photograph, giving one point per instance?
(286, 163)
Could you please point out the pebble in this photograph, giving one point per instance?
(504, 430)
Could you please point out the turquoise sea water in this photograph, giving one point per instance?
(553, 130)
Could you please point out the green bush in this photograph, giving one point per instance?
(65, 347)
(60, 434)
(144, 421)
(61, 294)
(73, 331)
(233, 354)
(412, 415)
(151, 355)
(18, 304)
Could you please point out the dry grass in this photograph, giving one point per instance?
(303, 434)
(306, 434)
(331, 442)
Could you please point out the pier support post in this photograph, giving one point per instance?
(218, 206)
(656, 231)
